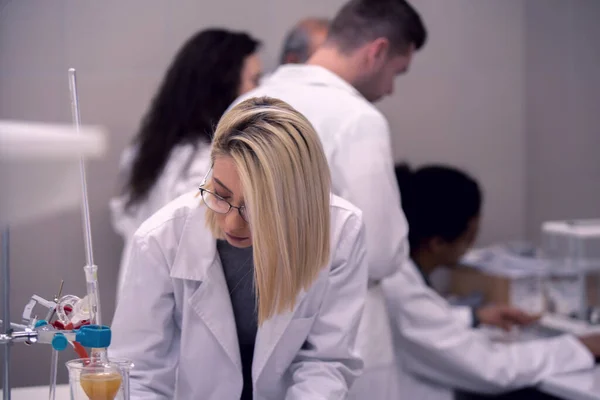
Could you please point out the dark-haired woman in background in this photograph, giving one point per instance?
(170, 154)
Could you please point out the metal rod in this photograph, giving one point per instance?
(85, 206)
(19, 337)
(6, 310)
(14, 326)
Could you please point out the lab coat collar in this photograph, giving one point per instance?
(197, 260)
(212, 302)
(199, 248)
(423, 274)
(310, 75)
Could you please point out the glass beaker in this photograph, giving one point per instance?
(97, 380)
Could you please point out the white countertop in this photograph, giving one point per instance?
(584, 385)
(40, 392)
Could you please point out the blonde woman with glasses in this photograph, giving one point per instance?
(253, 287)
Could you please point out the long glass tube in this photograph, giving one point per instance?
(91, 270)
(53, 370)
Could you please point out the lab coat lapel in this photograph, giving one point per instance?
(210, 301)
(268, 335)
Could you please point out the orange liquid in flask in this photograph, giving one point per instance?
(101, 386)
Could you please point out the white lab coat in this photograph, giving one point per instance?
(438, 350)
(184, 170)
(176, 323)
(356, 141)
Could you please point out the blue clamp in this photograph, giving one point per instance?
(94, 336)
(59, 342)
(41, 322)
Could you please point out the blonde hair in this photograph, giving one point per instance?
(286, 184)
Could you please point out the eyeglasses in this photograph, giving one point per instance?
(222, 206)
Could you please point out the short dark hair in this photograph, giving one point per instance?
(438, 201)
(361, 21)
(201, 82)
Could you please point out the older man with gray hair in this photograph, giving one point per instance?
(303, 39)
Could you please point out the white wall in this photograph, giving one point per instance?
(462, 103)
(563, 111)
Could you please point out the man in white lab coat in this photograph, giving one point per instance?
(438, 347)
(369, 44)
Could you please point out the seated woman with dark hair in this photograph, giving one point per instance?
(438, 349)
(441, 227)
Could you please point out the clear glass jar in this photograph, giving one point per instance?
(91, 379)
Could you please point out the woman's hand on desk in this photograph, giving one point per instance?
(592, 343)
(504, 317)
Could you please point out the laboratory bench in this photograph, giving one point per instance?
(584, 385)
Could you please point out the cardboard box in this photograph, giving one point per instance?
(524, 292)
(528, 293)
(465, 281)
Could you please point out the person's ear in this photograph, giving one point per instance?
(292, 58)
(377, 52)
(437, 244)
